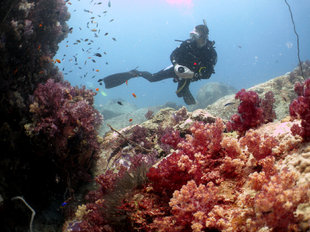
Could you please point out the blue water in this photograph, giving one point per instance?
(254, 40)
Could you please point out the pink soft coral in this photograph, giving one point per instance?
(277, 201)
(259, 146)
(191, 205)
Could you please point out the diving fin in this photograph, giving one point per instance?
(188, 98)
(183, 91)
(117, 79)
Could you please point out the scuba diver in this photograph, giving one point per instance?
(193, 60)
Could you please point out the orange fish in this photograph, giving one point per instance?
(126, 82)
(94, 30)
(134, 95)
(40, 25)
(97, 70)
(39, 46)
(97, 89)
(58, 61)
(130, 120)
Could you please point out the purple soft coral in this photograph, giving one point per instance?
(63, 117)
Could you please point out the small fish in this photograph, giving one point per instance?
(93, 30)
(134, 95)
(130, 120)
(86, 40)
(97, 70)
(63, 204)
(93, 61)
(105, 34)
(88, 11)
(79, 41)
(58, 61)
(40, 25)
(229, 103)
(97, 89)
(114, 39)
(111, 20)
(109, 3)
(98, 54)
(126, 82)
(120, 103)
(70, 30)
(103, 94)
(39, 46)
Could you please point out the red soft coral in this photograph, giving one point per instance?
(194, 156)
(252, 111)
(300, 108)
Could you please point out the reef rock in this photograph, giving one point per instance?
(209, 93)
(282, 88)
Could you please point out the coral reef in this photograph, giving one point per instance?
(208, 180)
(45, 167)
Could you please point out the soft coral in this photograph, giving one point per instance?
(252, 111)
(300, 108)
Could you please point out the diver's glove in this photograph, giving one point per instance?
(183, 72)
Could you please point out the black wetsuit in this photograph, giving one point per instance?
(199, 60)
